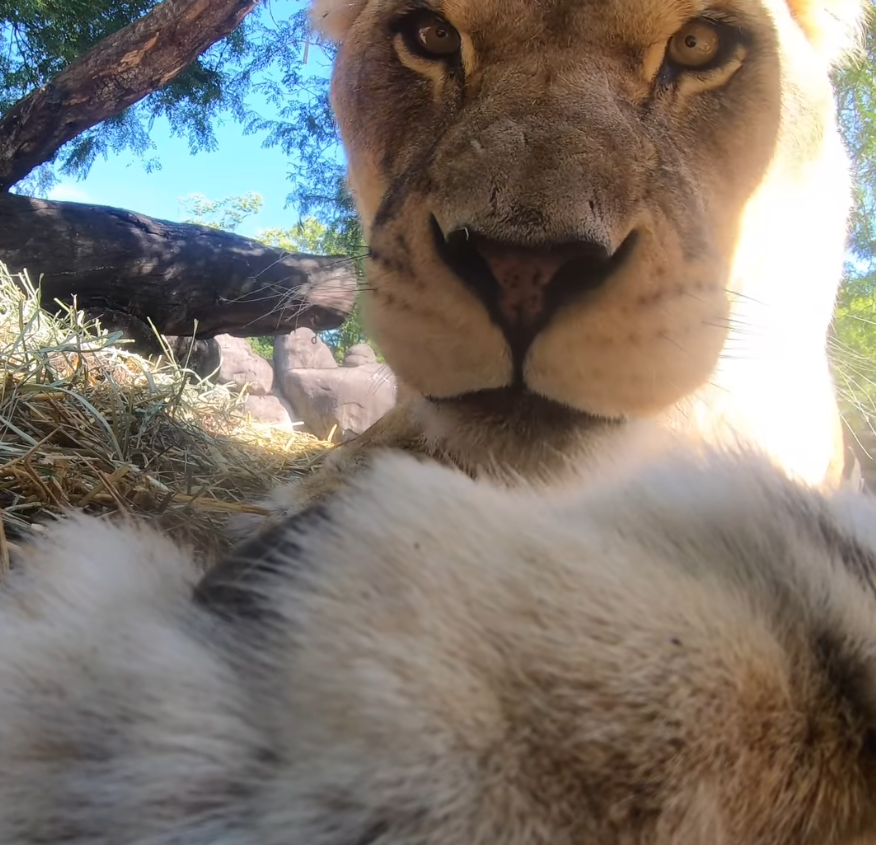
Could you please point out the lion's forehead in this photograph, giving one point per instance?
(636, 22)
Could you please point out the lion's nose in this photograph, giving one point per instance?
(523, 287)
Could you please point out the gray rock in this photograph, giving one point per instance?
(346, 399)
(242, 366)
(269, 409)
(302, 349)
(359, 355)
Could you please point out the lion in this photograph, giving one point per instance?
(683, 655)
(584, 214)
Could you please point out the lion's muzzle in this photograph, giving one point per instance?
(522, 287)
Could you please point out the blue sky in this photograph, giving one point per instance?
(238, 166)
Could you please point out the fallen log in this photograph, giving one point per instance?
(177, 275)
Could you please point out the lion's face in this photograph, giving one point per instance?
(555, 191)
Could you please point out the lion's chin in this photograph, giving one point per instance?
(518, 406)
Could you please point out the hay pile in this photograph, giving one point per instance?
(86, 424)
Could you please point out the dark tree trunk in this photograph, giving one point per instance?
(130, 266)
(116, 73)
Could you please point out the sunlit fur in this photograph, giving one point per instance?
(684, 656)
(736, 181)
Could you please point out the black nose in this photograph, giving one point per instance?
(522, 287)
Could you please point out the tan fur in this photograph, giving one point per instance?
(684, 657)
(736, 182)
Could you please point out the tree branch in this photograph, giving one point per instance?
(117, 72)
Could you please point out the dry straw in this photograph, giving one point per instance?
(87, 424)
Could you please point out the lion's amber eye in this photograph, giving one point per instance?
(432, 37)
(695, 45)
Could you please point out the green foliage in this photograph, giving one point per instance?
(853, 336)
(853, 349)
(226, 214)
(856, 100)
(342, 237)
(263, 346)
(308, 235)
(305, 129)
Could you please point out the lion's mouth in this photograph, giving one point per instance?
(523, 287)
(520, 409)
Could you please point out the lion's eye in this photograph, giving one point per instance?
(431, 36)
(695, 45)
